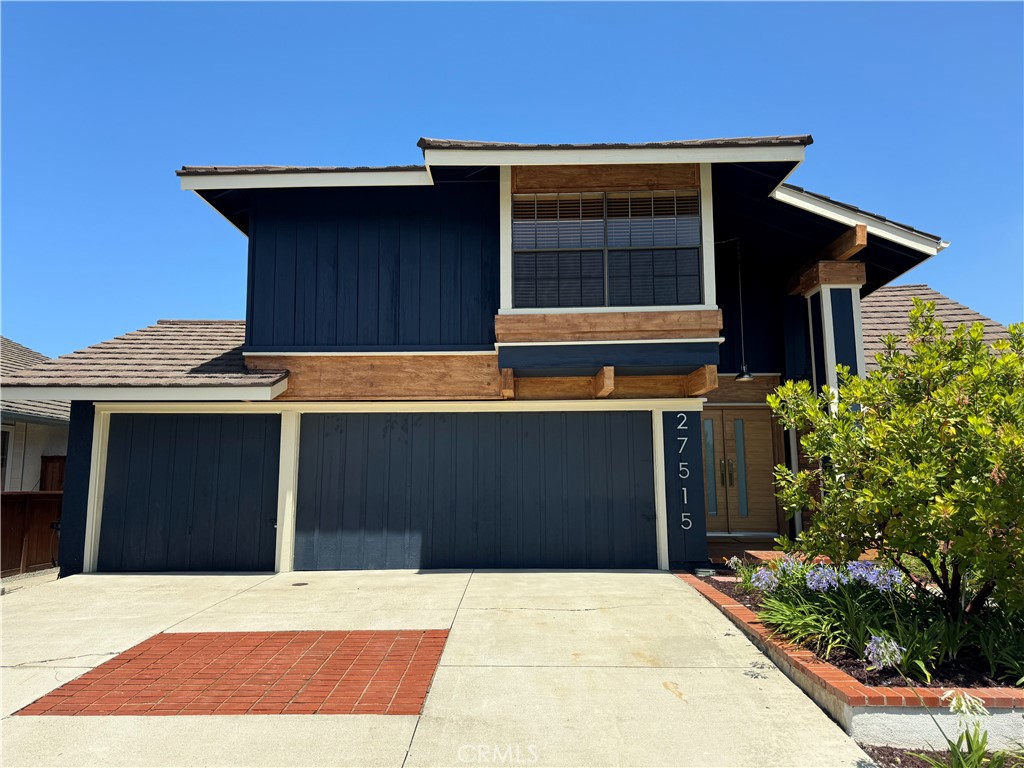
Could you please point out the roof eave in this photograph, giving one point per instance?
(298, 179)
(629, 155)
(907, 237)
(198, 393)
(9, 414)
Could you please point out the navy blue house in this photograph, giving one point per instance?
(510, 356)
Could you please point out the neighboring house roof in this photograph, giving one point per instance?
(170, 354)
(16, 357)
(744, 141)
(887, 310)
(213, 170)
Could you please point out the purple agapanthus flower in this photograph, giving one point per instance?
(821, 578)
(765, 579)
(788, 564)
(884, 580)
(863, 571)
(883, 652)
(888, 579)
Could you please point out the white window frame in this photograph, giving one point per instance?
(707, 249)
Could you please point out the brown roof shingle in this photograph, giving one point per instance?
(172, 353)
(743, 141)
(17, 357)
(887, 311)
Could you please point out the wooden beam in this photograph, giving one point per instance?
(508, 384)
(604, 381)
(701, 381)
(598, 326)
(847, 244)
(386, 377)
(828, 273)
(604, 178)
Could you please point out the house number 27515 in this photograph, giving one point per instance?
(685, 522)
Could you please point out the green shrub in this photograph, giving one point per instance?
(922, 460)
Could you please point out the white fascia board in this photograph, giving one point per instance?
(416, 406)
(501, 157)
(155, 394)
(595, 342)
(590, 310)
(419, 178)
(884, 229)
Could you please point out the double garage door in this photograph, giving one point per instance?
(398, 490)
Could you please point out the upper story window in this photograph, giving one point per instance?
(606, 249)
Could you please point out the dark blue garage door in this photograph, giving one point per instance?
(190, 493)
(476, 490)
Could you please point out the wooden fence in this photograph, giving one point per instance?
(27, 541)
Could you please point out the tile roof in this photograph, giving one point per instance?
(16, 357)
(172, 353)
(887, 309)
(214, 170)
(744, 141)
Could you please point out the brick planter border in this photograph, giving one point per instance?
(872, 714)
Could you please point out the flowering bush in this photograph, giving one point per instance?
(922, 460)
(873, 612)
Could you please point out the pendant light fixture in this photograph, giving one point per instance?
(744, 374)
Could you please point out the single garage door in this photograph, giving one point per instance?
(190, 493)
(476, 490)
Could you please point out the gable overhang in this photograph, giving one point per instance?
(903, 236)
(304, 179)
(252, 393)
(583, 156)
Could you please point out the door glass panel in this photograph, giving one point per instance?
(741, 467)
(710, 481)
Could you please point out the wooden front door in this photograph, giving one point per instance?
(739, 457)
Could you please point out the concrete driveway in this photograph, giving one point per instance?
(540, 668)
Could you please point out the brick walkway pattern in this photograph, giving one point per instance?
(257, 673)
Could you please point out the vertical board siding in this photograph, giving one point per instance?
(844, 329)
(468, 490)
(387, 267)
(190, 492)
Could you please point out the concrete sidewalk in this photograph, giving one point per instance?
(541, 668)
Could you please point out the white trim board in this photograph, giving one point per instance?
(638, 155)
(595, 342)
(505, 237)
(876, 226)
(404, 178)
(153, 394)
(589, 310)
(660, 489)
(287, 492)
(447, 406)
(707, 236)
(97, 478)
(403, 353)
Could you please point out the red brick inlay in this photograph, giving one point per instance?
(257, 673)
(842, 685)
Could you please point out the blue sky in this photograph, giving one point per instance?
(917, 111)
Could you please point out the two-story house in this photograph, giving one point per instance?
(511, 356)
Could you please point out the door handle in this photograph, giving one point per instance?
(732, 480)
(721, 471)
